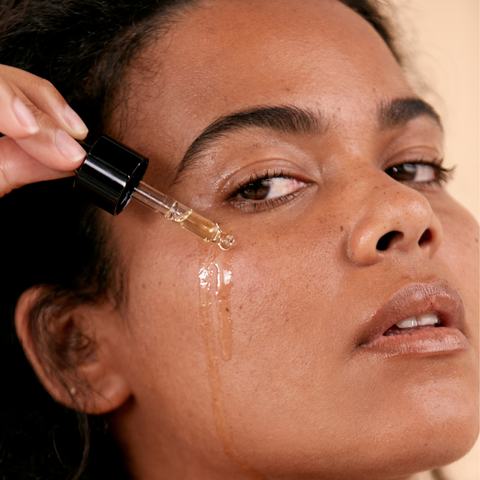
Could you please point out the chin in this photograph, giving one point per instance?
(397, 451)
(434, 434)
(403, 459)
(429, 440)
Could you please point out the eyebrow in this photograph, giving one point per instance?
(291, 119)
(400, 111)
(282, 119)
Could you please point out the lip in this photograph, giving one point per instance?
(414, 299)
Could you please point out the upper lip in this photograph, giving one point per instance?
(414, 299)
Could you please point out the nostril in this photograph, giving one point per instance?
(387, 239)
(426, 237)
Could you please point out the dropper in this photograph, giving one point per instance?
(111, 175)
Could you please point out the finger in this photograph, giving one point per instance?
(46, 98)
(16, 119)
(18, 168)
(52, 146)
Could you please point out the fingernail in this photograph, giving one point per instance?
(68, 147)
(24, 116)
(72, 118)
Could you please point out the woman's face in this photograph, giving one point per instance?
(269, 360)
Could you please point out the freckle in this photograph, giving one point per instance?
(240, 307)
(476, 240)
(341, 228)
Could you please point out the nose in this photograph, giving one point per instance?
(396, 219)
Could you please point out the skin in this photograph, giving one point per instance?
(301, 400)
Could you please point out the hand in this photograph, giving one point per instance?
(38, 126)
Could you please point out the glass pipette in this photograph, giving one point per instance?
(111, 175)
(186, 217)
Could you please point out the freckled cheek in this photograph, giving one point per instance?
(163, 298)
(284, 294)
(284, 307)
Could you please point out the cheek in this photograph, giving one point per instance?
(163, 351)
(459, 253)
(163, 315)
(187, 354)
(288, 363)
(283, 295)
(239, 346)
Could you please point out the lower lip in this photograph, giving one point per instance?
(425, 342)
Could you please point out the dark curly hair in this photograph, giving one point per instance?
(83, 47)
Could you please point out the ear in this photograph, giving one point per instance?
(70, 353)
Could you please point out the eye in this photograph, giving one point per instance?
(263, 192)
(269, 188)
(419, 172)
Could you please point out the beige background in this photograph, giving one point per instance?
(443, 36)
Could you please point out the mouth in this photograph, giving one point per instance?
(415, 324)
(418, 319)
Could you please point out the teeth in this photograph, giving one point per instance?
(429, 318)
(407, 323)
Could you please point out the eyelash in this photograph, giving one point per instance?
(443, 175)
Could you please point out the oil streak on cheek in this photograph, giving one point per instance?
(222, 294)
(215, 275)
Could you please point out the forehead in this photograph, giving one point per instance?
(227, 55)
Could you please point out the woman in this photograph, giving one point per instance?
(337, 339)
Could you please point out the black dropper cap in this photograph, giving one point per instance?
(110, 174)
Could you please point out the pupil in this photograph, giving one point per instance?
(256, 191)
